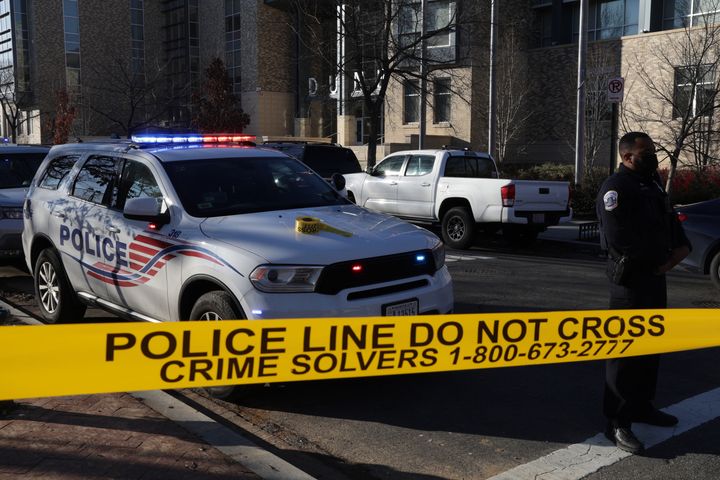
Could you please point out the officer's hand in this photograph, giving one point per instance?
(676, 256)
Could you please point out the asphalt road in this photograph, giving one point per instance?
(476, 424)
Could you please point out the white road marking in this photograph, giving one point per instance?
(577, 461)
(449, 258)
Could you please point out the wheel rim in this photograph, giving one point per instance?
(49, 287)
(210, 317)
(456, 228)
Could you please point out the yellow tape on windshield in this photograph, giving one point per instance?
(38, 361)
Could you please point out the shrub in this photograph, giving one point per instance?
(690, 185)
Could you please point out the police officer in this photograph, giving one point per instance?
(644, 240)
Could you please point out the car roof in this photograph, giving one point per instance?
(453, 151)
(5, 149)
(171, 153)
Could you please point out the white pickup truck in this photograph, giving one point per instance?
(461, 190)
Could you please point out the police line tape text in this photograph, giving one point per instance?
(255, 352)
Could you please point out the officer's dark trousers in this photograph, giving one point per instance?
(630, 382)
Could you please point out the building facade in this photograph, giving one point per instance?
(131, 64)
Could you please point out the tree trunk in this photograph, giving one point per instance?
(671, 171)
(374, 123)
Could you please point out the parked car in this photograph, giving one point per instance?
(460, 190)
(329, 160)
(18, 164)
(701, 222)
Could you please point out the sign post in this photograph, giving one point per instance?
(615, 92)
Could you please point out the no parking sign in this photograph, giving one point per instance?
(616, 88)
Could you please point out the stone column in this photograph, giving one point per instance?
(346, 130)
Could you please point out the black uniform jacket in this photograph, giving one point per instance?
(636, 219)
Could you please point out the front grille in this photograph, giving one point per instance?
(376, 292)
(340, 276)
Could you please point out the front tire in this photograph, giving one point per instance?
(55, 296)
(217, 306)
(458, 228)
(715, 270)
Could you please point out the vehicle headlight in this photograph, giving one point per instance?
(14, 213)
(285, 278)
(439, 255)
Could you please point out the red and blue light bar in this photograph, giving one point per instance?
(192, 138)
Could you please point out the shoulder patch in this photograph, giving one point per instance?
(611, 200)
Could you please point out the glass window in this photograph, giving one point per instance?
(326, 160)
(469, 167)
(694, 91)
(232, 186)
(18, 169)
(390, 166)
(442, 97)
(57, 170)
(137, 182)
(419, 165)
(93, 181)
(411, 95)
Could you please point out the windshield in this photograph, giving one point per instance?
(18, 169)
(231, 186)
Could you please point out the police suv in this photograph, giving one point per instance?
(165, 228)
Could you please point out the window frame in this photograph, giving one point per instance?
(417, 98)
(694, 84)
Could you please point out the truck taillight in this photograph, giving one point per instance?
(682, 216)
(508, 195)
(570, 195)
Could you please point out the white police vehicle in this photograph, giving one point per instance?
(172, 228)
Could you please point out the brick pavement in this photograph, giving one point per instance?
(110, 436)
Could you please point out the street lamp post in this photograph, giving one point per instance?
(580, 114)
(492, 87)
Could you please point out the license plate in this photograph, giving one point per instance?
(538, 218)
(402, 308)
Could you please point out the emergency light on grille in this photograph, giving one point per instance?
(192, 138)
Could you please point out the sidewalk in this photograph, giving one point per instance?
(102, 437)
(111, 436)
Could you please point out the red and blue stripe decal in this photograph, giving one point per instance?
(147, 256)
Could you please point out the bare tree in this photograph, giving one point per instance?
(138, 100)
(513, 95)
(382, 42)
(12, 99)
(679, 81)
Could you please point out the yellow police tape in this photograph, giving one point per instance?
(39, 361)
(312, 226)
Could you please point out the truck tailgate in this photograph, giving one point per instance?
(541, 196)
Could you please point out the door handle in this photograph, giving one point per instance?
(59, 214)
(393, 183)
(113, 229)
(424, 184)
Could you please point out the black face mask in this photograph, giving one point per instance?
(647, 163)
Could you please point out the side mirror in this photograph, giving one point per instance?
(145, 209)
(338, 181)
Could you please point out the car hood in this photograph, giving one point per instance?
(12, 197)
(273, 235)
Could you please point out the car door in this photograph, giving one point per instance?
(141, 283)
(415, 191)
(86, 254)
(380, 189)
